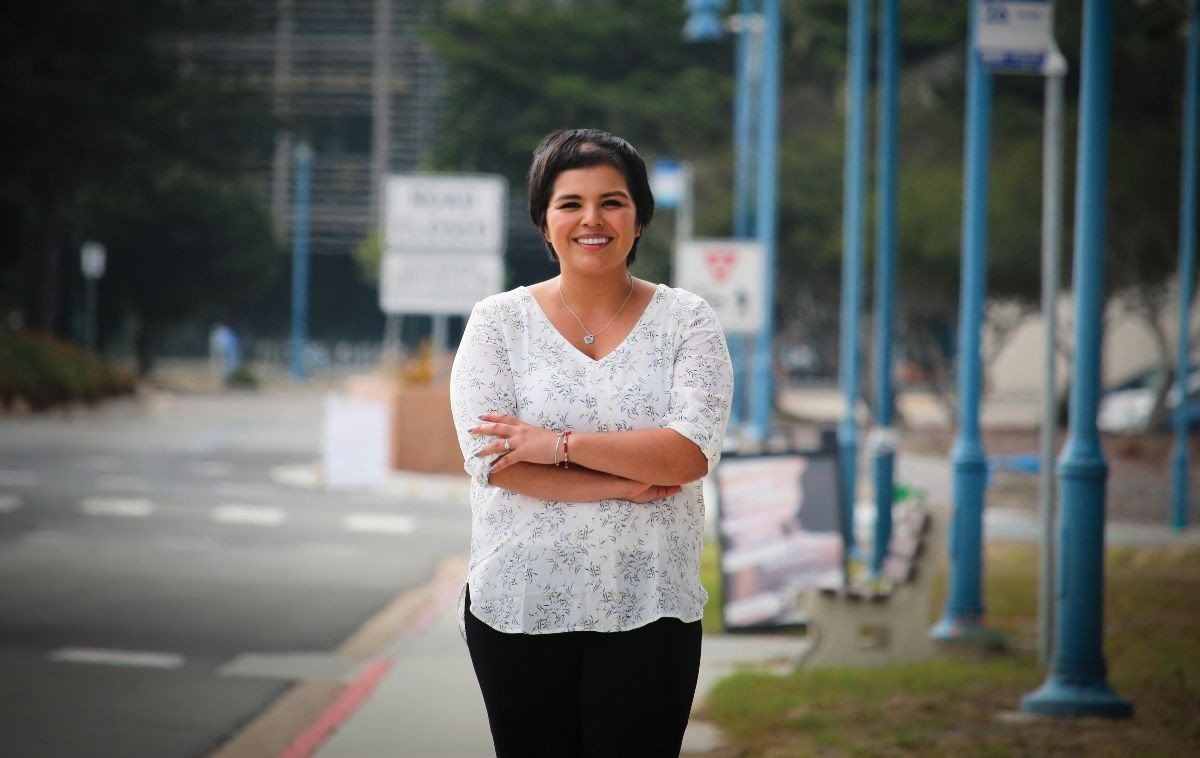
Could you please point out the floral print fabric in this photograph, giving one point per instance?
(540, 566)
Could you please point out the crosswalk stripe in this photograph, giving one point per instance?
(379, 523)
(9, 503)
(256, 515)
(142, 658)
(127, 507)
(14, 478)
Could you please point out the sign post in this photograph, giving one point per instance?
(1018, 38)
(91, 262)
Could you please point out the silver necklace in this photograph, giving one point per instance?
(590, 336)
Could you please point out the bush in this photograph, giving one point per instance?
(45, 371)
(242, 378)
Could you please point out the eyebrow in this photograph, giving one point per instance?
(614, 193)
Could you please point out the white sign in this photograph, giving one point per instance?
(1016, 36)
(427, 213)
(439, 283)
(729, 274)
(91, 260)
(354, 442)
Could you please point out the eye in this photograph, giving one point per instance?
(568, 205)
(613, 203)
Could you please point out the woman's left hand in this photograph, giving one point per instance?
(516, 441)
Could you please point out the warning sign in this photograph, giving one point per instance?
(729, 275)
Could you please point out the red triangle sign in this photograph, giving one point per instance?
(720, 263)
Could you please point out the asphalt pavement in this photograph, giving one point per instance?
(165, 579)
(175, 582)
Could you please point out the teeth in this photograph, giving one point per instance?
(593, 240)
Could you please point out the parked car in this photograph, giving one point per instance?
(1126, 408)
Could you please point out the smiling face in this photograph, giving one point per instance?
(591, 220)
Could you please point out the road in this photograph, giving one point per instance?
(161, 583)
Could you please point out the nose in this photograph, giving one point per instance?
(592, 216)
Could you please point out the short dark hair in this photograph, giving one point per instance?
(565, 149)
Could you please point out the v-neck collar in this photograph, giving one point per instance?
(537, 307)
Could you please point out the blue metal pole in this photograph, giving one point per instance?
(303, 156)
(1187, 271)
(885, 273)
(749, 66)
(963, 613)
(1077, 684)
(762, 400)
(852, 227)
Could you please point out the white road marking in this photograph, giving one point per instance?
(380, 523)
(256, 515)
(141, 658)
(126, 507)
(211, 468)
(13, 478)
(9, 503)
(123, 482)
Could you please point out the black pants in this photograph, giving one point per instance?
(603, 694)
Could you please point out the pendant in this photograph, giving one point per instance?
(589, 339)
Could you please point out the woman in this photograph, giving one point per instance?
(588, 408)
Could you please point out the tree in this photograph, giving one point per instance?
(95, 93)
(181, 244)
(517, 69)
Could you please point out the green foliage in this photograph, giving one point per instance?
(518, 69)
(44, 371)
(243, 378)
(368, 254)
(181, 245)
(948, 705)
(97, 95)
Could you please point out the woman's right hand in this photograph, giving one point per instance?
(645, 493)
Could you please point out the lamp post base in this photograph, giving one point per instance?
(957, 629)
(1058, 698)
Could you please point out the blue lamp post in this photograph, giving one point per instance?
(851, 294)
(963, 614)
(885, 274)
(304, 156)
(758, 85)
(1077, 684)
(1187, 269)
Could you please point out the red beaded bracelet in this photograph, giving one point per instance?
(566, 436)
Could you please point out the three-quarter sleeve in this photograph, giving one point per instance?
(481, 381)
(701, 383)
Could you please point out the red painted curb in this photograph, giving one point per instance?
(347, 702)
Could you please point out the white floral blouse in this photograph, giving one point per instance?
(540, 566)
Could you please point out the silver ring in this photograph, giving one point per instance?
(507, 444)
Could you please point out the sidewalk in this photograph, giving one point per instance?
(428, 703)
